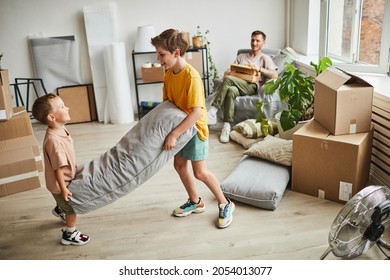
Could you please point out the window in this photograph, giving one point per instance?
(357, 34)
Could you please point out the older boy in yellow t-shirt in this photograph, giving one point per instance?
(184, 88)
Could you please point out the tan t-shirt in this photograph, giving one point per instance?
(58, 151)
(261, 60)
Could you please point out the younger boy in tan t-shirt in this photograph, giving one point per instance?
(59, 158)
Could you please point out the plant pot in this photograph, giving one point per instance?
(288, 134)
(197, 41)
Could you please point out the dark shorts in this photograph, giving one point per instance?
(64, 205)
(195, 150)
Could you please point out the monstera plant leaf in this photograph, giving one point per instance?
(289, 119)
(323, 64)
(295, 89)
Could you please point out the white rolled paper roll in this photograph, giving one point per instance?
(118, 107)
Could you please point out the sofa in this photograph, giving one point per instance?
(245, 106)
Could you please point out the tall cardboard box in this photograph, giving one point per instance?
(328, 166)
(342, 102)
(18, 171)
(195, 58)
(5, 96)
(23, 142)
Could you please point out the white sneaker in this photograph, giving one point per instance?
(211, 119)
(224, 138)
(212, 115)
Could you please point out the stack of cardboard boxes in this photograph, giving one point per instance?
(20, 157)
(332, 153)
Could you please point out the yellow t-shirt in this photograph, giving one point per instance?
(185, 90)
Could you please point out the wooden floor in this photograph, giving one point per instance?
(140, 226)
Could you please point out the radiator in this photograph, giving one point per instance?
(380, 159)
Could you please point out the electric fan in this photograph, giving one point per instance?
(360, 224)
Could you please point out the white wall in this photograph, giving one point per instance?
(305, 26)
(230, 23)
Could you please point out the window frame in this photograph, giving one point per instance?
(384, 60)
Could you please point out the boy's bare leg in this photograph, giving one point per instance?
(203, 174)
(71, 220)
(186, 176)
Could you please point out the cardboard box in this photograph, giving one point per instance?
(5, 96)
(80, 100)
(328, 166)
(195, 59)
(17, 126)
(153, 74)
(23, 142)
(244, 72)
(18, 171)
(342, 102)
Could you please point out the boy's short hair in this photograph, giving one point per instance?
(258, 32)
(170, 40)
(42, 107)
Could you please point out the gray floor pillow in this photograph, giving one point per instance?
(136, 158)
(257, 182)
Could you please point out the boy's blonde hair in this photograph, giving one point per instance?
(42, 107)
(171, 40)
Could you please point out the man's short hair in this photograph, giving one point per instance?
(258, 32)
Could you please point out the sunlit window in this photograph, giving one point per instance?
(356, 33)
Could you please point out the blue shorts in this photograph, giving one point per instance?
(195, 150)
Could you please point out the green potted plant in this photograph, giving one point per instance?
(201, 38)
(296, 91)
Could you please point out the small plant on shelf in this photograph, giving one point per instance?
(201, 37)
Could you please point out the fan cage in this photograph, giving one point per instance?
(346, 233)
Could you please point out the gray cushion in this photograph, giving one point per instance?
(245, 107)
(136, 157)
(257, 182)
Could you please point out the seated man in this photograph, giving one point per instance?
(233, 86)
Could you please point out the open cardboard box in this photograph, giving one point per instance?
(245, 72)
(342, 102)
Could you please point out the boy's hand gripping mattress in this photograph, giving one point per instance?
(136, 158)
